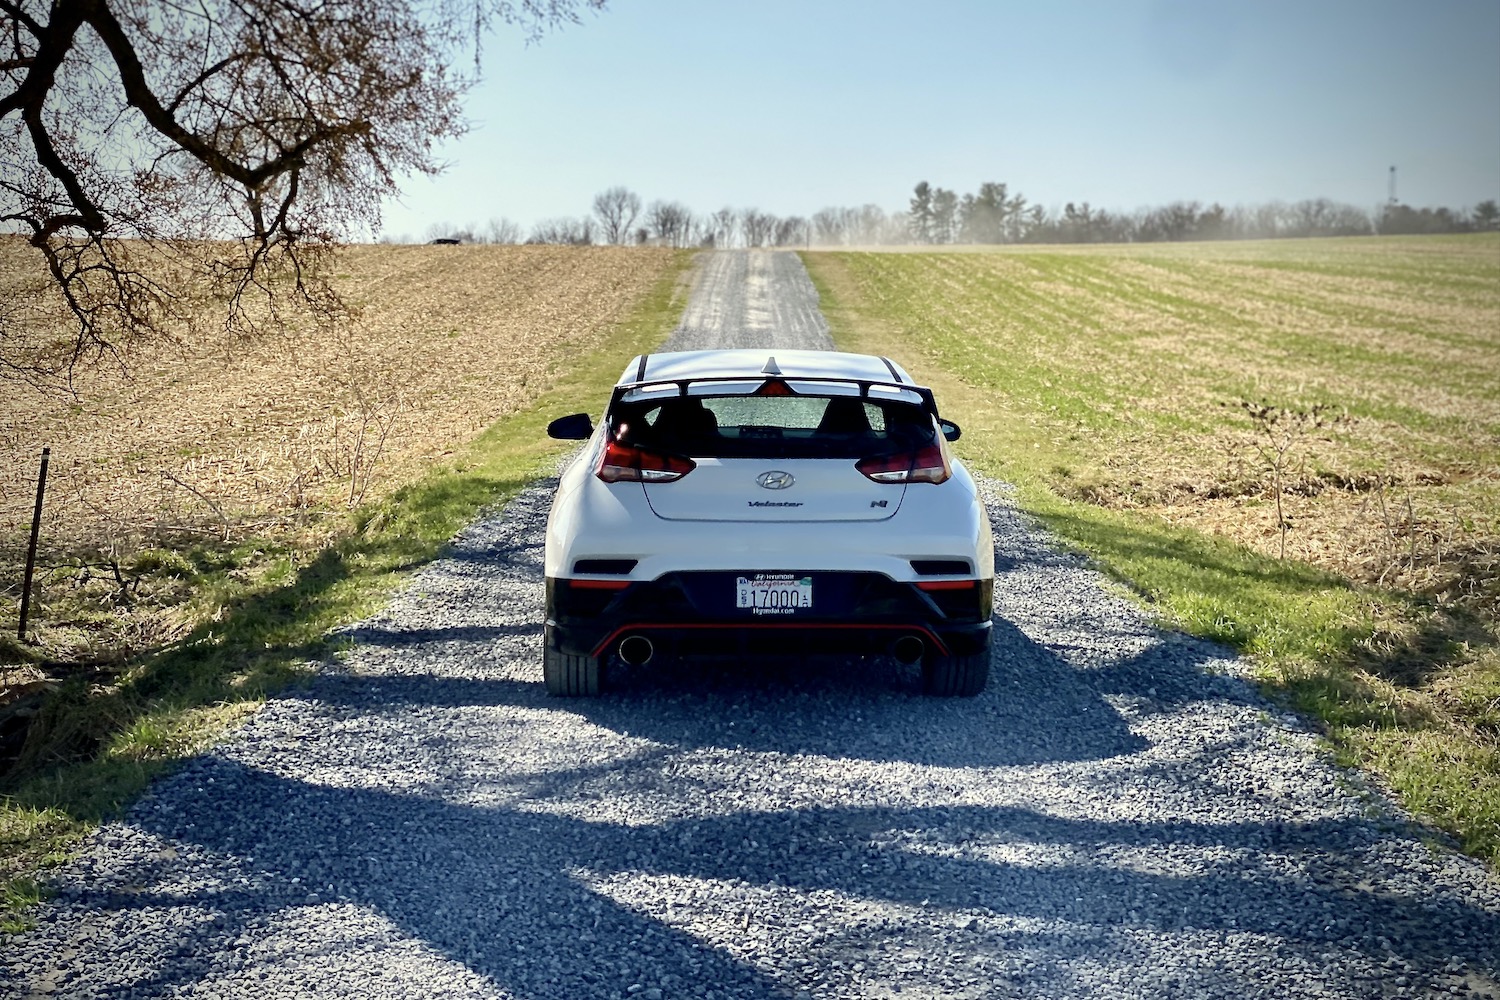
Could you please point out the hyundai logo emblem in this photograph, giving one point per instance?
(774, 480)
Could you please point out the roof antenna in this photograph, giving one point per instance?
(770, 368)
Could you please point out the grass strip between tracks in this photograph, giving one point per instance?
(265, 610)
(1339, 651)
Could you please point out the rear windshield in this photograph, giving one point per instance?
(773, 426)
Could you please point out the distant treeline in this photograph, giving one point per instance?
(937, 216)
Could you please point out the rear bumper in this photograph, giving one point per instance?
(593, 520)
(694, 613)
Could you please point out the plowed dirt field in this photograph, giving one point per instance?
(206, 434)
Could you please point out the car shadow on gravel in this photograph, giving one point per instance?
(1038, 708)
(523, 895)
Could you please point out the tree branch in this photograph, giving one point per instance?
(138, 94)
(89, 216)
(16, 11)
(203, 78)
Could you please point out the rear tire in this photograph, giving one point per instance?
(956, 676)
(569, 676)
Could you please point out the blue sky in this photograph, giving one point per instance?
(790, 106)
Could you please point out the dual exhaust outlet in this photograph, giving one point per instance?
(637, 650)
(908, 650)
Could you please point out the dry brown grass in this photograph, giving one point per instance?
(214, 438)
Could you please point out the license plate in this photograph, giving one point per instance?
(773, 593)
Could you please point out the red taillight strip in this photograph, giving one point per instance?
(946, 584)
(599, 584)
(610, 639)
(925, 465)
(623, 463)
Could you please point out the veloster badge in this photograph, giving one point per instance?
(774, 480)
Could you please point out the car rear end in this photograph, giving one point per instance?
(811, 505)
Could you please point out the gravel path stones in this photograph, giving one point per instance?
(1118, 815)
(751, 298)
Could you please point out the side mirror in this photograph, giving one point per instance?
(951, 431)
(573, 427)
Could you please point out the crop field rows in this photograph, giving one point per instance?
(218, 440)
(1138, 362)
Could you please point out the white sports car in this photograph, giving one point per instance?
(757, 502)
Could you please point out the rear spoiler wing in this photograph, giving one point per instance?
(896, 386)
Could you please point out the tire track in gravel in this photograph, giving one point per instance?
(1118, 815)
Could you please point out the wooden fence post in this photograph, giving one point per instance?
(36, 529)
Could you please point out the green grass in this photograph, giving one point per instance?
(263, 610)
(1104, 383)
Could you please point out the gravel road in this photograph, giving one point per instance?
(751, 298)
(1119, 815)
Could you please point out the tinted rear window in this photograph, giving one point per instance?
(773, 426)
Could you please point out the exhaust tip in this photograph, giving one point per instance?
(908, 650)
(636, 650)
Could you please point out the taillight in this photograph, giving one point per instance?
(925, 465)
(624, 464)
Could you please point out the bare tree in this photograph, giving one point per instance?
(705, 232)
(757, 226)
(831, 226)
(573, 232)
(617, 209)
(726, 225)
(671, 222)
(502, 230)
(866, 225)
(1323, 217)
(1263, 221)
(1170, 223)
(133, 131)
(792, 231)
(874, 226)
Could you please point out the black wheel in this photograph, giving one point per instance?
(961, 676)
(569, 676)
